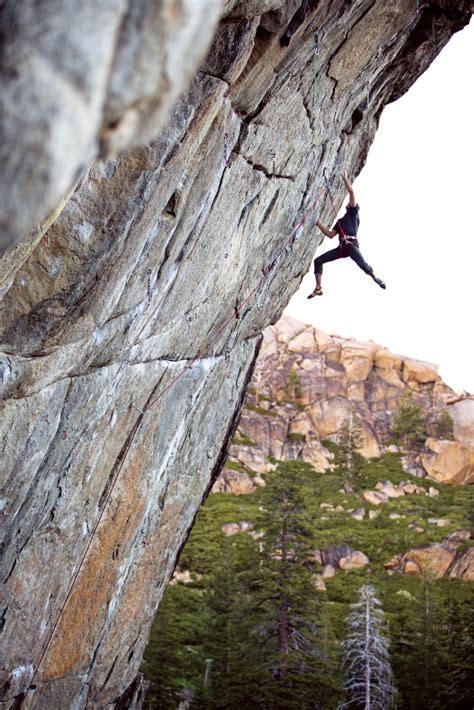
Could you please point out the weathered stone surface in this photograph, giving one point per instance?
(343, 557)
(234, 528)
(435, 559)
(418, 372)
(439, 522)
(328, 571)
(462, 412)
(319, 583)
(356, 560)
(390, 489)
(236, 482)
(449, 462)
(375, 497)
(79, 80)
(130, 301)
(463, 568)
(438, 559)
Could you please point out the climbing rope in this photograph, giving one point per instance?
(135, 428)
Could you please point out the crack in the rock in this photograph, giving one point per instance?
(214, 76)
(262, 169)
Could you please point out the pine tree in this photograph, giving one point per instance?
(288, 627)
(369, 682)
(173, 654)
(229, 679)
(460, 653)
(294, 383)
(423, 645)
(408, 425)
(347, 458)
(445, 426)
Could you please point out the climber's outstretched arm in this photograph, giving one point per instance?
(350, 190)
(327, 232)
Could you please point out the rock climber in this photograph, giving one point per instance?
(346, 229)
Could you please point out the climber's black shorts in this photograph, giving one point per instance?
(350, 250)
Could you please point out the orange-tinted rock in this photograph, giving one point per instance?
(418, 372)
(449, 462)
(434, 559)
(356, 560)
(236, 482)
(463, 568)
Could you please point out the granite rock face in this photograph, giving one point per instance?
(82, 80)
(133, 301)
(305, 386)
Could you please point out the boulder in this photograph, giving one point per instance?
(230, 529)
(390, 490)
(439, 522)
(182, 577)
(328, 571)
(252, 457)
(356, 560)
(463, 568)
(375, 497)
(358, 513)
(462, 413)
(435, 559)
(458, 537)
(333, 554)
(237, 482)
(394, 564)
(319, 583)
(357, 359)
(418, 372)
(344, 557)
(449, 462)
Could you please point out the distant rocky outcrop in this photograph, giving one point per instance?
(444, 559)
(307, 383)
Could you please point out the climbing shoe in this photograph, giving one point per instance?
(317, 292)
(380, 283)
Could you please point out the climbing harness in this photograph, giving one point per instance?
(315, 64)
(136, 426)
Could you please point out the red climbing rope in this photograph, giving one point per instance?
(267, 270)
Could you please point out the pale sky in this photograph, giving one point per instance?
(417, 229)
